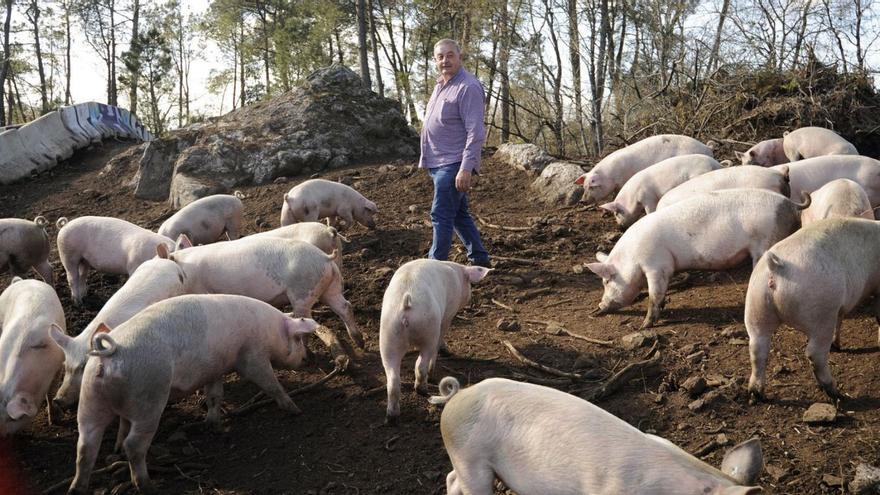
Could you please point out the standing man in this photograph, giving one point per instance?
(452, 139)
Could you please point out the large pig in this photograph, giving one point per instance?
(746, 176)
(809, 142)
(711, 231)
(614, 170)
(155, 280)
(25, 245)
(641, 193)
(765, 154)
(273, 270)
(319, 198)
(29, 360)
(169, 350)
(836, 199)
(417, 310)
(809, 281)
(105, 244)
(206, 219)
(324, 237)
(811, 174)
(539, 440)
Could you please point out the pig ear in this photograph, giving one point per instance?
(603, 270)
(613, 207)
(162, 251)
(580, 180)
(299, 326)
(183, 242)
(476, 273)
(102, 328)
(59, 337)
(19, 406)
(601, 257)
(744, 462)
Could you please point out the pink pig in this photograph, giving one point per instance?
(809, 142)
(764, 154)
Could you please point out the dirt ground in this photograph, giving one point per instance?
(339, 445)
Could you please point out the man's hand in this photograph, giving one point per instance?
(463, 181)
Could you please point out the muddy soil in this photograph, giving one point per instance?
(339, 445)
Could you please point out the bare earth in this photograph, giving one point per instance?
(340, 445)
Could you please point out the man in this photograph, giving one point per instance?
(452, 138)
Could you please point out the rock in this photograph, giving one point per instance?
(384, 169)
(777, 472)
(328, 122)
(694, 386)
(528, 157)
(706, 400)
(738, 342)
(832, 481)
(413, 208)
(347, 180)
(586, 361)
(820, 413)
(508, 325)
(635, 340)
(578, 269)
(734, 332)
(866, 480)
(556, 184)
(721, 439)
(383, 272)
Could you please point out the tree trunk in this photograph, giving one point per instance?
(574, 55)
(362, 42)
(713, 57)
(558, 109)
(34, 17)
(4, 63)
(372, 18)
(112, 96)
(504, 57)
(67, 97)
(243, 97)
(136, 51)
(800, 35)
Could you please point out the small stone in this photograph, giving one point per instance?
(697, 405)
(177, 436)
(734, 332)
(586, 361)
(413, 208)
(578, 269)
(690, 349)
(781, 369)
(347, 180)
(832, 481)
(635, 340)
(383, 272)
(866, 481)
(386, 168)
(777, 472)
(721, 439)
(507, 325)
(738, 342)
(694, 386)
(820, 413)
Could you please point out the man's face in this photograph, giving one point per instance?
(448, 60)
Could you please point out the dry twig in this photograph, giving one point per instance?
(503, 227)
(626, 374)
(66, 481)
(250, 406)
(555, 328)
(546, 369)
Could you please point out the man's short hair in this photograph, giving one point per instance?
(447, 41)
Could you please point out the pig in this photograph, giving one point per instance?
(811, 174)
(642, 192)
(25, 245)
(324, 237)
(417, 310)
(745, 176)
(609, 175)
(836, 199)
(539, 440)
(711, 231)
(166, 352)
(809, 282)
(273, 270)
(810, 142)
(319, 198)
(106, 244)
(206, 219)
(155, 280)
(764, 154)
(29, 360)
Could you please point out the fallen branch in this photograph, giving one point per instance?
(521, 261)
(254, 405)
(626, 374)
(502, 305)
(554, 328)
(341, 358)
(503, 227)
(61, 484)
(534, 293)
(551, 382)
(546, 369)
(559, 302)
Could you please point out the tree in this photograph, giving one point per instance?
(98, 18)
(362, 42)
(33, 15)
(4, 62)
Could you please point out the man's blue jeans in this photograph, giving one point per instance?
(449, 212)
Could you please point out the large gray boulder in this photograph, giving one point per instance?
(556, 184)
(528, 157)
(331, 121)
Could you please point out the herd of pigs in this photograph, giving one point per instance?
(195, 307)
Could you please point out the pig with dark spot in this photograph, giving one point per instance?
(839, 198)
(710, 231)
(206, 219)
(166, 352)
(764, 154)
(25, 245)
(743, 177)
(539, 440)
(809, 142)
(612, 172)
(318, 198)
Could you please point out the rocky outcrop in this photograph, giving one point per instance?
(528, 157)
(331, 121)
(556, 184)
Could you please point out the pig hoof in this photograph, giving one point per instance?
(392, 420)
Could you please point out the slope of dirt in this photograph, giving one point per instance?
(339, 444)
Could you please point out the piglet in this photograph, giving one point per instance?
(837, 199)
(809, 282)
(417, 310)
(540, 441)
(764, 154)
(746, 176)
(166, 352)
(155, 280)
(710, 231)
(811, 174)
(30, 360)
(612, 172)
(105, 244)
(25, 245)
(643, 191)
(809, 142)
(206, 219)
(324, 237)
(319, 198)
